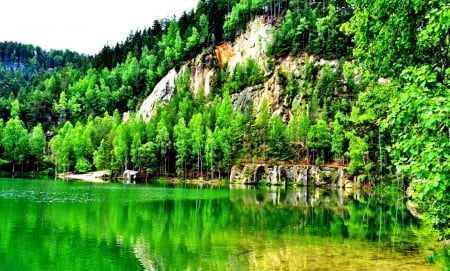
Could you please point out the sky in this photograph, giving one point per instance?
(84, 26)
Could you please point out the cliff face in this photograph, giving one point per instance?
(297, 175)
(162, 92)
(251, 44)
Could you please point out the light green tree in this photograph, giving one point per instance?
(122, 143)
(276, 137)
(210, 151)
(338, 137)
(38, 144)
(61, 148)
(357, 152)
(163, 143)
(100, 156)
(15, 109)
(262, 123)
(319, 141)
(15, 141)
(135, 149)
(196, 129)
(181, 144)
(82, 148)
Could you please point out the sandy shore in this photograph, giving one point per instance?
(93, 177)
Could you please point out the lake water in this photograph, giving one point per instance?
(57, 225)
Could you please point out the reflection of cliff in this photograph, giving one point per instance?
(300, 197)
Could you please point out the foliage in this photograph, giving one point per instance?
(410, 42)
(312, 27)
(181, 139)
(338, 137)
(319, 139)
(247, 74)
(357, 152)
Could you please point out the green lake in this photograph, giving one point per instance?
(58, 225)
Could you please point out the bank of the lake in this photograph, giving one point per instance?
(60, 225)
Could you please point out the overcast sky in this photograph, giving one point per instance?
(84, 26)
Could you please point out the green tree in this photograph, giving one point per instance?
(15, 109)
(163, 144)
(61, 148)
(338, 137)
(171, 44)
(203, 25)
(15, 141)
(100, 156)
(221, 137)
(326, 83)
(386, 34)
(82, 148)
(262, 123)
(135, 148)
(357, 152)
(37, 143)
(319, 140)
(296, 132)
(277, 141)
(193, 40)
(122, 143)
(327, 30)
(210, 151)
(148, 157)
(2, 161)
(224, 112)
(197, 139)
(237, 130)
(181, 144)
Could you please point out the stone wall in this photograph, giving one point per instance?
(299, 175)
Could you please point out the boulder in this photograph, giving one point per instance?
(130, 176)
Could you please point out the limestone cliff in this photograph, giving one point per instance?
(162, 92)
(250, 44)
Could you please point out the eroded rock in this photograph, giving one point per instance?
(298, 175)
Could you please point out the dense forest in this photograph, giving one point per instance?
(61, 111)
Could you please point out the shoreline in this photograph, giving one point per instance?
(91, 177)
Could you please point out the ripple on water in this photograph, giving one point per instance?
(48, 196)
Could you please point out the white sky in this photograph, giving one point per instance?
(84, 26)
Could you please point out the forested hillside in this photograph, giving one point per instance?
(362, 84)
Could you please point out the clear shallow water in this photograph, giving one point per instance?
(56, 225)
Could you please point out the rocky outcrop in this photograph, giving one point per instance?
(300, 175)
(250, 44)
(162, 92)
(130, 176)
(201, 73)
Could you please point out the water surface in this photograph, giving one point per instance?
(57, 225)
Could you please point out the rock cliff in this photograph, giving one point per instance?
(250, 44)
(162, 92)
(253, 44)
(298, 175)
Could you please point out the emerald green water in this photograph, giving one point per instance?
(57, 225)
